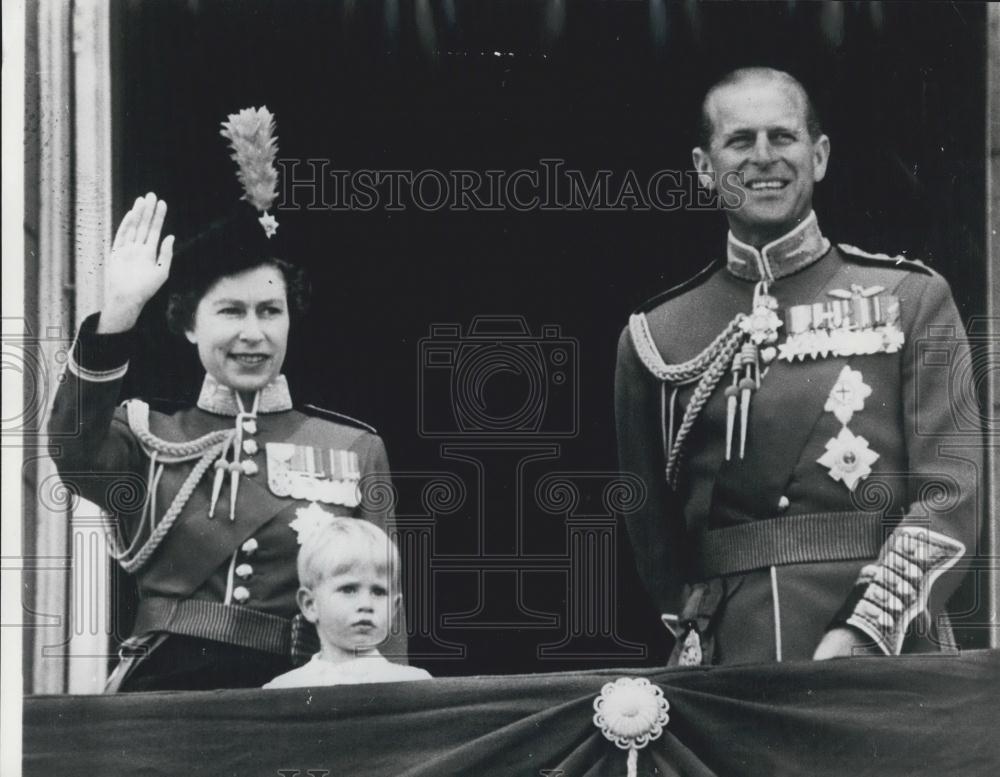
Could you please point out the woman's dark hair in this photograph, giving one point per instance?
(182, 305)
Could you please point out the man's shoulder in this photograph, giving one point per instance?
(675, 294)
(898, 274)
(882, 261)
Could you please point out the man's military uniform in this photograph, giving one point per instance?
(209, 500)
(788, 414)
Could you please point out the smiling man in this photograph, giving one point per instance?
(788, 433)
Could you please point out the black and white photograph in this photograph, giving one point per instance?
(542, 388)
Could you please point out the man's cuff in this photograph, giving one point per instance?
(892, 592)
(99, 358)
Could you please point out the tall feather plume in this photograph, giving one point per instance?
(251, 136)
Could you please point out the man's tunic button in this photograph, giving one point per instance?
(241, 594)
(249, 546)
(783, 503)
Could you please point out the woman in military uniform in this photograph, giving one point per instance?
(222, 487)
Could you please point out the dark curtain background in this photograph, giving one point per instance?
(448, 85)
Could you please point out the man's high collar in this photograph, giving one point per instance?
(789, 253)
(221, 400)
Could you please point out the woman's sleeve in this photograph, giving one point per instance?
(93, 448)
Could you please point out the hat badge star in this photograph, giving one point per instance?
(270, 224)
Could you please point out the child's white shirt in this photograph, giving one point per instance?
(372, 668)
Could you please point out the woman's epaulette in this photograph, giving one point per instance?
(855, 254)
(165, 405)
(340, 418)
(695, 280)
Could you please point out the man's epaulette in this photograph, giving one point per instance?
(695, 280)
(340, 418)
(855, 254)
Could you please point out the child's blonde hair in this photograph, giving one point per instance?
(342, 543)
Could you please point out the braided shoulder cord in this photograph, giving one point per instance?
(139, 560)
(685, 372)
(170, 452)
(206, 449)
(148, 511)
(708, 366)
(709, 380)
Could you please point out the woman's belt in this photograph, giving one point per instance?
(791, 539)
(228, 623)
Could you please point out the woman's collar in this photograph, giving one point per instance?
(788, 254)
(222, 400)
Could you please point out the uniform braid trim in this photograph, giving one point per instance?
(685, 372)
(709, 380)
(206, 449)
(169, 452)
(707, 368)
(141, 558)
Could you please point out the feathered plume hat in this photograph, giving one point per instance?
(247, 233)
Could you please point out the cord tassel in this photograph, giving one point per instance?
(748, 384)
(731, 392)
(220, 473)
(234, 485)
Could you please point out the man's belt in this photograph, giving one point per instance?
(791, 539)
(227, 623)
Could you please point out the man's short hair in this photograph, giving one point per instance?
(733, 77)
(336, 545)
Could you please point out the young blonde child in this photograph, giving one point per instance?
(349, 588)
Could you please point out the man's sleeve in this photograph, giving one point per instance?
(92, 447)
(656, 529)
(923, 556)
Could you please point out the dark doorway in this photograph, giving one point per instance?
(448, 86)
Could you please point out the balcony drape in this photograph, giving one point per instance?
(900, 716)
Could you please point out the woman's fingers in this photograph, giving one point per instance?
(157, 224)
(123, 228)
(166, 254)
(145, 217)
(128, 235)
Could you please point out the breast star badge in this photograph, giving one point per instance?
(847, 395)
(848, 458)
